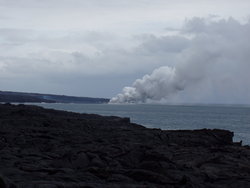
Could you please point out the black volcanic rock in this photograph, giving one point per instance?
(48, 148)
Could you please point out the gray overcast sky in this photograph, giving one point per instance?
(96, 47)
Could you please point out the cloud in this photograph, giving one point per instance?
(205, 60)
(212, 64)
(31, 52)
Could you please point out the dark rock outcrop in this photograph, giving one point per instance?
(48, 148)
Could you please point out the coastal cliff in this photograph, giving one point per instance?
(49, 148)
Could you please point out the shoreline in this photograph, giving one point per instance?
(46, 147)
(147, 115)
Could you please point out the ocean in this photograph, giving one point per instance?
(235, 118)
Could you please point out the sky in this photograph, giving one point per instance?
(169, 51)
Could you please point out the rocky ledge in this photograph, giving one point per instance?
(45, 148)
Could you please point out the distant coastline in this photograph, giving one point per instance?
(23, 97)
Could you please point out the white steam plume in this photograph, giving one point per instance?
(161, 83)
(214, 59)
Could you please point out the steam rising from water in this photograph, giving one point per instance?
(212, 61)
(160, 84)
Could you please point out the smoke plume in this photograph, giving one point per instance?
(215, 58)
(158, 85)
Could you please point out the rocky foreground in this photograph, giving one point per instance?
(47, 149)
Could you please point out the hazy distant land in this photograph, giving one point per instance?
(22, 97)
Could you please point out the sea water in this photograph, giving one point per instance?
(235, 118)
